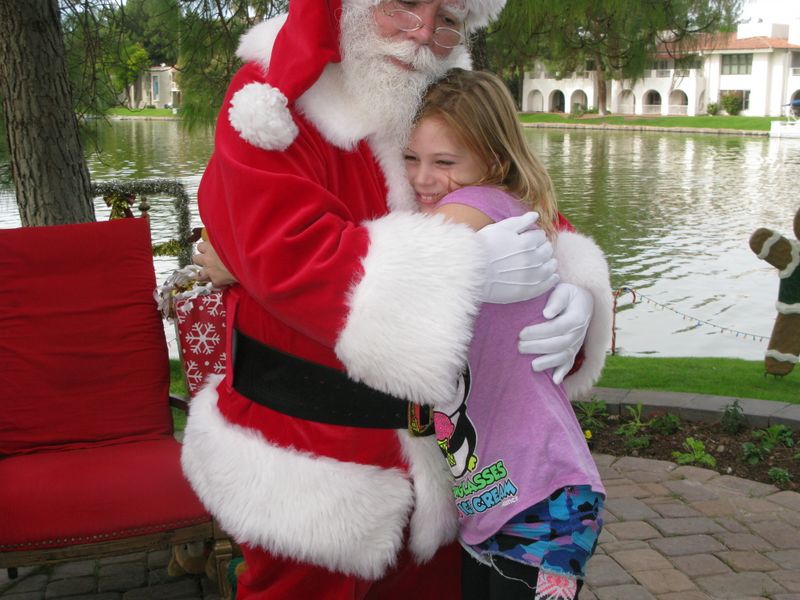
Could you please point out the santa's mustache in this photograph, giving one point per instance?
(420, 58)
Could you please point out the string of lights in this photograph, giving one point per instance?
(638, 297)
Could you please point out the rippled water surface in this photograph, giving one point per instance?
(672, 211)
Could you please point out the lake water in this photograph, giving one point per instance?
(673, 212)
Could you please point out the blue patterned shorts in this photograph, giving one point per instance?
(557, 535)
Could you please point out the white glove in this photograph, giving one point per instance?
(558, 340)
(521, 264)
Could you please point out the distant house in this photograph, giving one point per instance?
(154, 88)
(760, 63)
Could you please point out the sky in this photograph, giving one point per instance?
(771, 11)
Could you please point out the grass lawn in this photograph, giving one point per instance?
(714, 376)
(703, 121)
(120, 111)
(177, 387)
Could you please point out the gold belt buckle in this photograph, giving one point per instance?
(420, 419)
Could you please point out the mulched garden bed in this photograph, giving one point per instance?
(726, 448)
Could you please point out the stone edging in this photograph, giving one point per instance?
(650, 128)
(699, 407)
(143, 118)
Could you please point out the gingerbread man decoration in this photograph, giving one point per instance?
(783, 254)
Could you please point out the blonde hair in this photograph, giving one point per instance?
(478, 110)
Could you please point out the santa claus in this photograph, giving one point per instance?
(353, 312)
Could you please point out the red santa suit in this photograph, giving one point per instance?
(315, 218)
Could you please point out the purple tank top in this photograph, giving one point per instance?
(510, 437)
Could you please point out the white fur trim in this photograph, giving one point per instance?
(788, 309)
(257, 42)
(782, 356)
(434, 521)
(767, 245)
(482, 12)
(343, 516)
(411, 314)
(260, 114)
(582, 262)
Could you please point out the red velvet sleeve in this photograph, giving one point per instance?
(293, 244)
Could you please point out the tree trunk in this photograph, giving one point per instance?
(600, 85)
(602, 109)
(477, 49)
(47, 164)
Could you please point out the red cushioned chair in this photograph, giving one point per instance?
(88, 462)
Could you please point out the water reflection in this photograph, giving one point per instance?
(673, 212)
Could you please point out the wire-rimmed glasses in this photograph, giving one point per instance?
(406, 20)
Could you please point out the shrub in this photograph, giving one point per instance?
(778, 476)
(733, 419)
(712, 108)
(665, 424)
(592, 414)
(732, 103)
(637, 442)
(774, 435)
(754, 454)
(695, 454)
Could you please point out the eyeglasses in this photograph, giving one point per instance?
(405, 20)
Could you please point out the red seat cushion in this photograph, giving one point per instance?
(56, 499)
(82, 348)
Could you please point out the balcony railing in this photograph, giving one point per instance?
(678, 109)
(795, 71)
(651, 109)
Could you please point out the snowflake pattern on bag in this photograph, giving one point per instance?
(551, 586)
(200, 324)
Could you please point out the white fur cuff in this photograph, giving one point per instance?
(581, 262)
(411, 314)
(260, 114)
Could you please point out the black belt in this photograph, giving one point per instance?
(302, 389)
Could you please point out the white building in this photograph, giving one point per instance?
(154, 88)
(760, 63)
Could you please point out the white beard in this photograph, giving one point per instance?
(384, 94)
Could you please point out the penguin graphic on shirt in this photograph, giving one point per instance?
(455, 433)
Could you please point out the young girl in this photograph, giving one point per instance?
(526, 488)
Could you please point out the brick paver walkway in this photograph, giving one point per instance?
(684, 533)
(672, 533)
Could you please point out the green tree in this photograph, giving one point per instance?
(612, 38)
(210, 33)
(515, 41)
(154, 25)
(98, 53)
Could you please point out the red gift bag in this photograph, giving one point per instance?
(198, 312)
